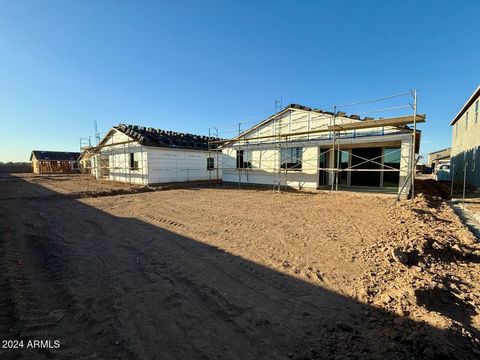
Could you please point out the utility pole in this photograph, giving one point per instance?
(97, 135)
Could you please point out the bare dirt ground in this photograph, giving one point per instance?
(471, 203)
(78, 185)
(220, 273)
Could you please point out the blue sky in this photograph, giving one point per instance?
(189, 65)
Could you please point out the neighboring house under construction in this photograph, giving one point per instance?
(54, 162)
(143, 155)
(438, 158)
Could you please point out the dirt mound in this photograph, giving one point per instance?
(426, 267)
(433, 187)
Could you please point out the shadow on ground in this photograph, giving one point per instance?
(119, 288)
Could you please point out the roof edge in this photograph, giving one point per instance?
(434, 152)
(469, 102)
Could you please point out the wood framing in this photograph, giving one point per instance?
(368, 124)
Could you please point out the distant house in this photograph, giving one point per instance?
(466, 141)
(140, 155)
(85, 160)
(437, 158)
(50, 162)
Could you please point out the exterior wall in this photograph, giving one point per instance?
(35, 167)
(54, 167)
(466, 146)
(113, 161)
(120, 170)
(178, 165)
(265, 171)
(85, 164)
(155, 165)
(265, 153)
(406, 150)
(265, 166)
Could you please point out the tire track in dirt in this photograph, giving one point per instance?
(173, 225)
(39, 262)
(32, 322)
(7, 304)
(250, 284)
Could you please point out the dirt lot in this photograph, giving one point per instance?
(219, 273)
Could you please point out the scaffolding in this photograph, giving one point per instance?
(335, 128)
(122, 156)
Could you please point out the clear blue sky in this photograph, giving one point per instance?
(188, 65)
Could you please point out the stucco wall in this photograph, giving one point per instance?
(265, 163)
(155, 165)
(466, 146)
(265, 151)
(113, 161)
(177, 165)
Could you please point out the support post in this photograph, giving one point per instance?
(333, 145)
(240, 165)
(414, 93)
(464, 183)
(453, 175)
(208, 159)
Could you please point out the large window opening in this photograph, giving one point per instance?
(342, 164)
(244, 159)
(323, 165)
(291, 158)
(366, 158)
(391, 159)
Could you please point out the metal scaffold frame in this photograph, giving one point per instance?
(102, 152)
(336, 131)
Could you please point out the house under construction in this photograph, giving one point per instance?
(308, 148)
(54, 162)
(146, 156)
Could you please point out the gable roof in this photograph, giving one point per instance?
(293, 107)
(86, 153)
(464, 108)
(55, 155)
(439, 151)
(148, 136)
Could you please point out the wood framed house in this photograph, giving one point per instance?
(54, 162)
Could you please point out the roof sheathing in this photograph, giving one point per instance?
(55, 155)
(148, 136)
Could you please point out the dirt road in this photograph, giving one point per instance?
(208, 274)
